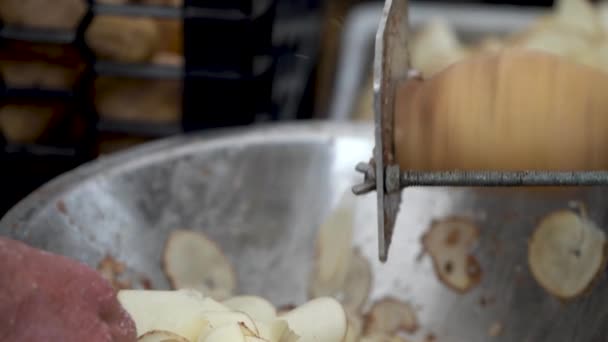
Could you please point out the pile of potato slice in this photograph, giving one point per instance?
(186, 315)
(340, 284)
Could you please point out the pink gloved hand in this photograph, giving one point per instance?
(47, 297)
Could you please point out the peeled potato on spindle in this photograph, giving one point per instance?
(512, 110)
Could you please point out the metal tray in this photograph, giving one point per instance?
(470, 22)
(261, 194)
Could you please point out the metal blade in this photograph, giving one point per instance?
(391, 66)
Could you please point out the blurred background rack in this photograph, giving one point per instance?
(122, 73)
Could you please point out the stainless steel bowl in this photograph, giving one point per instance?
(261, 194)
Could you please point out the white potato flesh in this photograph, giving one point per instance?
(289, 336)
(319, 320)
(175, 311)
(220, 318)
(566, 253)
(191, 260)
(355, 327)
(435, 48)
(256, 307)
(389, 316)
(230, 332)
(358, 282)
(333, 250)
(253, 339)
(272, 331)
(210, 304)
(578, 15)
(161, 336)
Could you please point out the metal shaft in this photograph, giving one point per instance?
(501, 178)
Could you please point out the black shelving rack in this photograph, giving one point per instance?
(231, 58)
(230, 86)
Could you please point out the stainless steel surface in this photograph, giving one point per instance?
(261, 194)
(471, 21)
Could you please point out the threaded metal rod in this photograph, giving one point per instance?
(500, 178)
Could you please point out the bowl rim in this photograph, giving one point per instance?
(28, 208)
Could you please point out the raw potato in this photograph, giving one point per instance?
(576, 30)
(449, 243)
(161, 336)
(566, 253)
(217, 319)
(358, 282)
(185, 315)
(28, 123)
(389, 316)
(272, 331)
(43, 14)
(579, 16)
(321, 319)
(256, 307)
(355, 327)
(156, 101)
(34, 74)
(123, 39)
(435, 48)
(191, 260)
(177, 311)
(333, 250)
(513, 114)
(226, 333)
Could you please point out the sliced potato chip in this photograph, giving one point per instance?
(355, 327)
(230, 332)
(321, 319)
(219, 318)
(333, 251)
(290, 336)
(272, 331)
(556, 40)
(579, 16)
(247, 332)
(358, 282)
(161, 336)
(436, 47)
(253, 339)
(191, 260)
(449, 243)
(495, 329)
(256, 307)
(566, 253)
(389, 316)
(175, 311)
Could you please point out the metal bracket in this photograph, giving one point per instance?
(391, 66)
